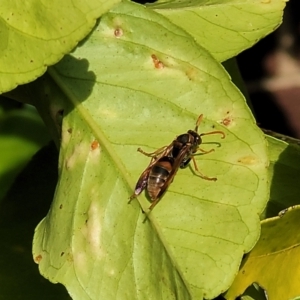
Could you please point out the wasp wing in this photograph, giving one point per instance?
(143, 179)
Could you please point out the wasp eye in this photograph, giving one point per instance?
(198, 140)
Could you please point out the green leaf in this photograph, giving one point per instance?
(284, 174)
(139, 81)
(37, 34)
(22, 133)
(276, 252)
(224, 27)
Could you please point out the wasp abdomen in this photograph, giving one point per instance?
(158, 176)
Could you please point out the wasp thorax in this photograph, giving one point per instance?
(183, 138)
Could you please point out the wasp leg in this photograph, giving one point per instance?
(200, 174)
(151, 208)
(133, 196)
(154, 204)
(153, 154)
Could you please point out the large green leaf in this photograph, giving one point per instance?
(224, 27)
(138, 81)
(38, 33)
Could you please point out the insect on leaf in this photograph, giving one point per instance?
(140, 81)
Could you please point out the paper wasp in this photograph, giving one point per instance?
(166, 161)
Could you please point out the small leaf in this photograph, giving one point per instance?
(139, 81)
(276, 253)
(284, 174)
(254, 292)
(224, 28)
(37, 34)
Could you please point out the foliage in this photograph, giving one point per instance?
(140, 78)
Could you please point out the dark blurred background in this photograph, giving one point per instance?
(271, 70)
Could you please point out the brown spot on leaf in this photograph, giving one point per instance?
(227, 120)
(157, 63)
(38, 259)
(118, 32)
(95, 145)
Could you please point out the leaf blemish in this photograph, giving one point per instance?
(118, 32)
(95, 145)
(72, 159)
(38, 259)
(228, 120)
(248, 160)
(157, 63)
(192, 74)
(92, 229)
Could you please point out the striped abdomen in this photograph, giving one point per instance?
(159, 176)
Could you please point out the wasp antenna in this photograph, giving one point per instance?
(199, 120)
